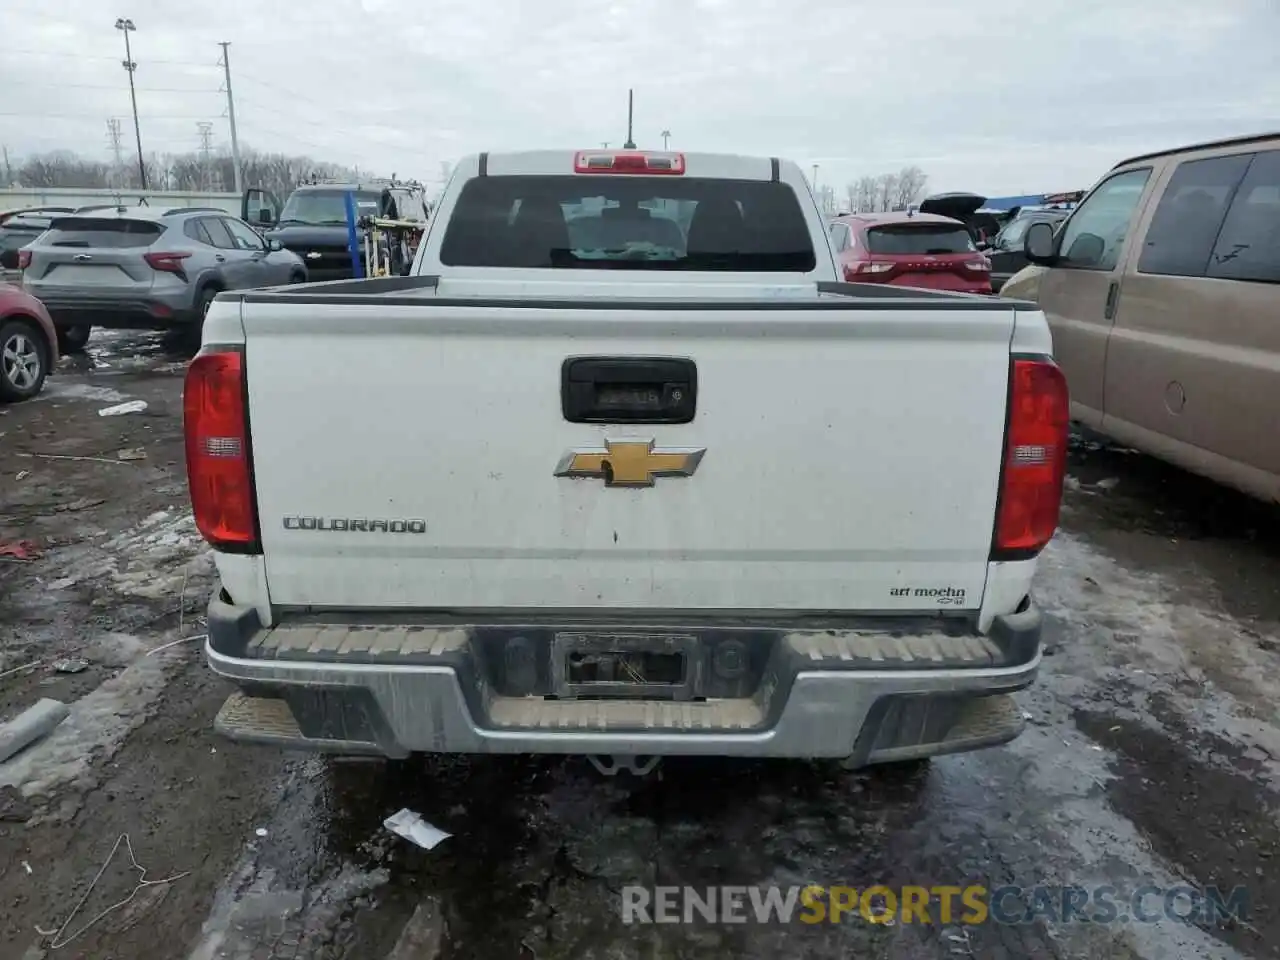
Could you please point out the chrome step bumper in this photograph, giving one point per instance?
(395, 689)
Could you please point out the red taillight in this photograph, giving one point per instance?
(217, 435)
(1035, 459)
(168, 262)
(589, 161)
(24, 259)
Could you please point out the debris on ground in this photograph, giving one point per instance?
(422, 937)
(72, 665)
(131, 453)
(412, 827)
(142, 882)
(14, 807)
(120, 409)
(31, 725)
(84, 503)
(20, 551)
(26, 666)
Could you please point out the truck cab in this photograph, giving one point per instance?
(312, 222)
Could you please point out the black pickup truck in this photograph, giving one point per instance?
(313, 221)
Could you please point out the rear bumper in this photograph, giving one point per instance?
(122, 314)
(879, 689)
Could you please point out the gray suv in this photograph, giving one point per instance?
(147, 268)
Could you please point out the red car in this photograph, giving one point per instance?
(910, 250)
(28, 344)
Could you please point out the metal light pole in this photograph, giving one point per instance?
(815, 179)
(666, 135)
(125, 26)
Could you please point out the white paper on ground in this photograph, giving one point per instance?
(133, 406)
(409, 825)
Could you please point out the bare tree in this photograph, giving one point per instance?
(886, 190)
(910, 187)
(867, 195)
(275, 171)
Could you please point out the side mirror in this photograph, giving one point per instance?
(1039, 244)
(266, 216)
(275, 246)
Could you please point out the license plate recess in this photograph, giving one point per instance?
(636, 666)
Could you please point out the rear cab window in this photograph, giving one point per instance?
(101, 233)
(918, 239)
(628, 223)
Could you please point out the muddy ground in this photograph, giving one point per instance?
(1151, 756)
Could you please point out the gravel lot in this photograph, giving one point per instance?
(1151, 757)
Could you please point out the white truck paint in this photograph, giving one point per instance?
(838, 527)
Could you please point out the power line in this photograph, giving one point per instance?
(109, 86)
(80, 56)
(93, 116)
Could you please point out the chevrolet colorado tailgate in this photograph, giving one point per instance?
(840, 455)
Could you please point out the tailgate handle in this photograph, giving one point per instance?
(628, 389)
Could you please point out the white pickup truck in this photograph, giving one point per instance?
(621, 470)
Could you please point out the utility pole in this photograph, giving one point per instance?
(630, 144)
(814, 185)
(8, 168)
(231, 116)
(666, 135)
(125, 25)
(206, 148)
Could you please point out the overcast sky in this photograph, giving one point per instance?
(995, 96)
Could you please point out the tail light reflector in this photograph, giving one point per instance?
(1035, 459)
(24, 259)
(219, 475)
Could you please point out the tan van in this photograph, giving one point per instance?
(1163, 294)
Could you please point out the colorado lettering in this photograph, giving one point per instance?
(354, 525)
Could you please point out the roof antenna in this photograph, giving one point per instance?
(630, 144)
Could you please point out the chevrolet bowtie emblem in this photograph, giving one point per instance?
(630, 463)
(313, 255)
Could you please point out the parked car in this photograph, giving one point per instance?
(313, 220)
(1163, 292)
(28, 344)
(768, 513)
(19, 230)
(965, 207)
(152, 268)
(1005, 249)
(910, 250)
(6, 215)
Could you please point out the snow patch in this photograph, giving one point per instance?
(57, 389)
(93, 732)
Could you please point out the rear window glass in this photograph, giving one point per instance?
(915, 239)
(91, 232)
(628, 223)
